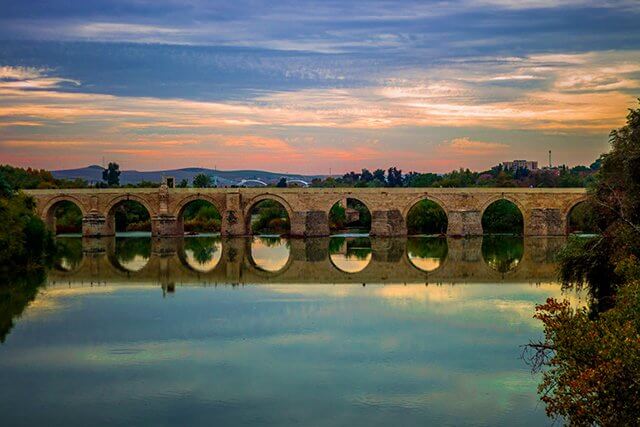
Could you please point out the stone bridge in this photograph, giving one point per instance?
(310, 262)
(545, 210)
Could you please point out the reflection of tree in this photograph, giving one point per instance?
(203, 248)
(502, 253)
(16, 293)
(273, 241)
(356, 247)
(128, 248)
(69, 249)
(427, 247)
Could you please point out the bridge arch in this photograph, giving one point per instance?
(261, 198)
(365, 223)
(126, 197)
(428, 198)
(518, 204)
(569, 210)
(185, 202)
(49, 210)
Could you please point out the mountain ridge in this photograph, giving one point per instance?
(93, 173)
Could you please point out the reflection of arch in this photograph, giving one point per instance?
(261, 270)
(114, 257)
(341, 261)
(439, 202)
(191, 264)
(260, 198)
(511, 241)
(511, 199)
(441, 261)
(567, 213)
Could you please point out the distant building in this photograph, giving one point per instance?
(531, 165)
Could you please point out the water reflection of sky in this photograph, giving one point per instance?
(283, 355)
(270, 253)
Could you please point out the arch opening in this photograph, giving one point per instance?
(269, 217)
(129, 216)
(200, 217)
(132, 253)
(427, 217)
(202, 253)
(65, 217)
(349, 216)
(270, 254)
(502, 217)
(582, 220)
(502, 253)
(350, 254)
(427, 253)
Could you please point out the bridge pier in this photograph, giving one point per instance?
(96, 225)
(166, 226)
(464, 223)
(388, 223)
(545, 222)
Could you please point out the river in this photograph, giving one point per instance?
(349, 330)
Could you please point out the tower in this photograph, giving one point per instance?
(549, 159)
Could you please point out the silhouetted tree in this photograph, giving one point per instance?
(111, 175)
(282, 183)
(201, 181)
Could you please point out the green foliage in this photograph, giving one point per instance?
(606, 262)
(200, 216)
(282, 183)
(111, 175)
(68, 218)
(12, 178)
(582, 219)
(25, 243)
(592, 374)
(132, 216)
(203, 248)
(337, 216)
(426, 217)
(202, 180)
(270, 218)
(183, 184)
(502, 216)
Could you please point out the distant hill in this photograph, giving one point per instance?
(93, 173)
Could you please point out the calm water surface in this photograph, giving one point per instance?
(268, 331)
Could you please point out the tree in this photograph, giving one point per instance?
(379, 175)
(282, 183)
(366, 176)
(111, 175)
(394, 177)
(183, 184)
(201, 180)
(592, 374)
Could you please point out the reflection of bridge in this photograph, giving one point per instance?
(545, 211)
(309, 262)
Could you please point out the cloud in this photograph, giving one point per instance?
(468, 147)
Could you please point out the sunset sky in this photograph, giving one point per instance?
(308, 86)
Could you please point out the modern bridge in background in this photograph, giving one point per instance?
(545, 210)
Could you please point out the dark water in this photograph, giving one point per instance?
(265, 331)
